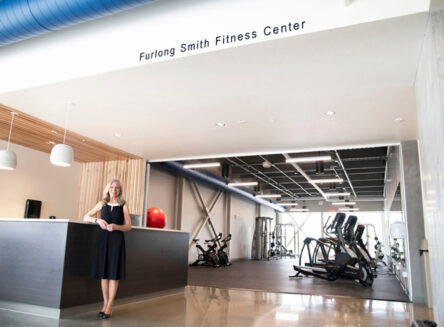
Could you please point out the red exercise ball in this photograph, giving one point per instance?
(155, 217)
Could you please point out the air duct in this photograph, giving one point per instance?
(24, 19)
(212, 181)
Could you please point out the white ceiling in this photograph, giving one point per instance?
(271, 95)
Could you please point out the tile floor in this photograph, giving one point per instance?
(206, 306)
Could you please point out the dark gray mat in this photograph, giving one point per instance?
(273, 276)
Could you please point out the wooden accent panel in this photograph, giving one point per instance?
(95, 176)
(36, 134)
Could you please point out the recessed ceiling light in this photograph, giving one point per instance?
(83, 140)
(51, 142)
(288, 204)
(220, 124)
(299, 210)
(242, 122)
(329, 113)
(117, 135)
(348, 209)
(398, 120)
(53, 131)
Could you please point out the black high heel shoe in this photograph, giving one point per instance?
(100, 314)
(106, 316)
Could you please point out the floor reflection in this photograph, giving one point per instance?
(206, 306)
(255, 308)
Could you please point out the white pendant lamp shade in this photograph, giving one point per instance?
(8, 160)
(62, 155)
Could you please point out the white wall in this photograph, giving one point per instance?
(91, 48)
(265, 211)
(430, 112)
(36, 178)
(412, 211)
(161, 193)
(243, 221)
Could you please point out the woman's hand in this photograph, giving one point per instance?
(111, 227)
(102, 223)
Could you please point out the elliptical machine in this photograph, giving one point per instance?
(344, 264)
(362, 247)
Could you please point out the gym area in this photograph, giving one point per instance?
(277, 269)
(324, 223)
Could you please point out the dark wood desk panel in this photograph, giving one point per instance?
(31, 262)
(155, 261)
(48, 263)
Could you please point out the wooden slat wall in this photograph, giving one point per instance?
(95, 176)
(37, 134)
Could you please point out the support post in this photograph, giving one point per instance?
(413, 212)
(228, 218)
(145, 198)
(178, 203)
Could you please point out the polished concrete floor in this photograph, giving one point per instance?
(206, 306)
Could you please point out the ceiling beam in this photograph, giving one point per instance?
(342, 165)
(364, 158)
(299, 169)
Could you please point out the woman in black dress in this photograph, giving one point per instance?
(109, 258)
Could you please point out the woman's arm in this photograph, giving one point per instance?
(90, 216)
(126, 226)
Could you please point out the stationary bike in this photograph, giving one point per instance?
(223, 256)
(207, 257)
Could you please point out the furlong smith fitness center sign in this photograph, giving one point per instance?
(222, 40)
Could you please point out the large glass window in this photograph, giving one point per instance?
(373, 221)
(306, 224)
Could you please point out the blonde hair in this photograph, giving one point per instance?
(120, 200)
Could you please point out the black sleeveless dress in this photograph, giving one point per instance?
(109, 257)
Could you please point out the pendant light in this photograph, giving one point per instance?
(62, 154)
(8, 159)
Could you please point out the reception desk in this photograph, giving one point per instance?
(47, 263)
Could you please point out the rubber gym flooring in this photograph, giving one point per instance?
(273, 276)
